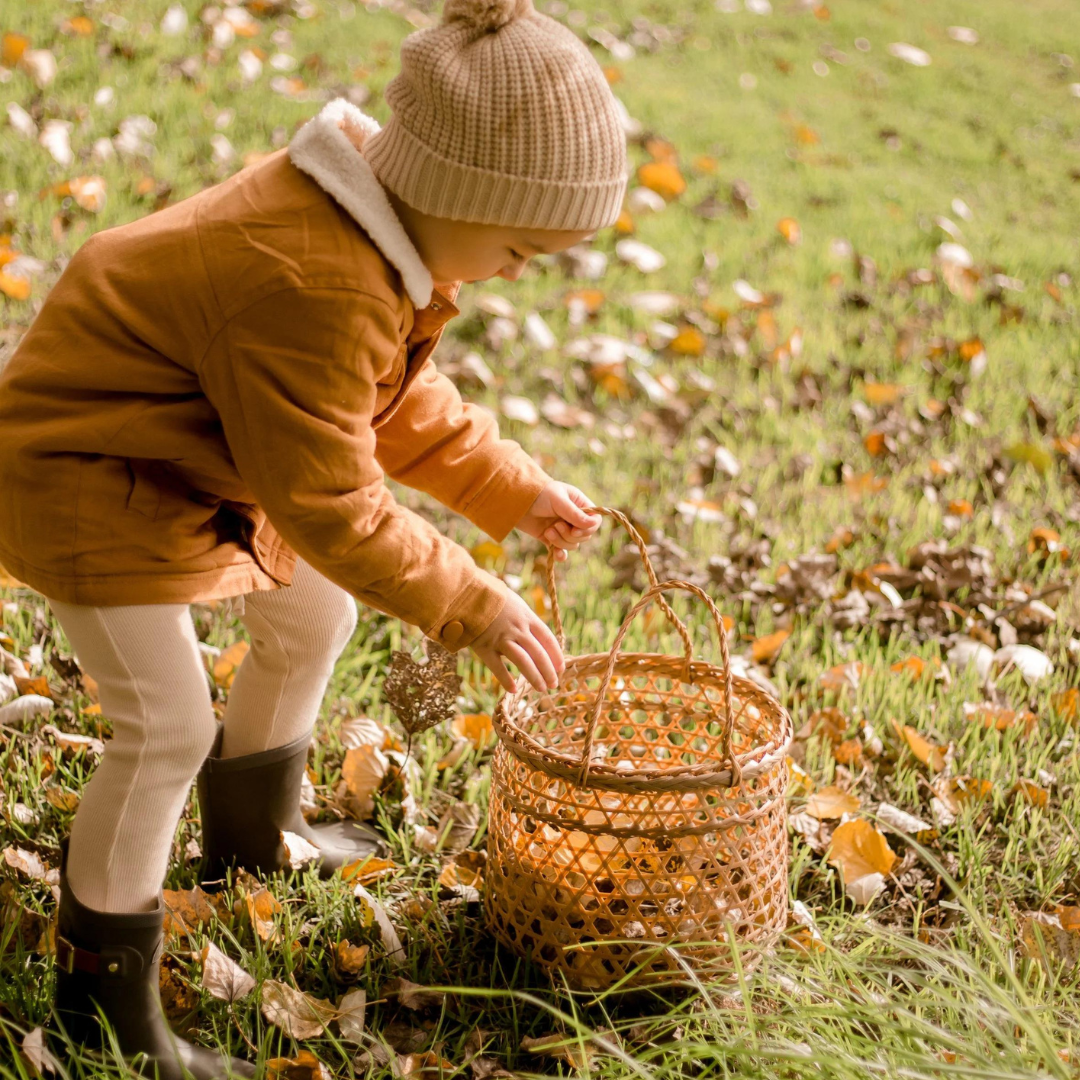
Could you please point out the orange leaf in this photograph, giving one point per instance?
(476, 727)
(875, 443)
(80, 25)
(625, 223)
(961, 508)
(858, 849)
(998, 717)
(765, 649)
(613, 75)
(663, 177)
(589, 299)
(704, 163)
(970, 349)
(1034, 794)
(660, 150)
(488, 554)
(883, 393)
(369, 869)
(842, 538)
(927, 752)
(226, 665)
(864, 484)
(18, 288)
(12, 48)
(848, 752)
(843, 676)
(806, 135)
(789, 229)
(831, 802)
(39, 686)
(688, 342)
(1067, 704)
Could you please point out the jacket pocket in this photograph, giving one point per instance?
(144, 495)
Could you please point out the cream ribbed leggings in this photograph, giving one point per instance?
(153, 686)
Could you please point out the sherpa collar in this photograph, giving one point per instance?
(322, 150)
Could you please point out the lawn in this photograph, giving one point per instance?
(847, 404)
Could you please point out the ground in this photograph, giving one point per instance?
(855, 420)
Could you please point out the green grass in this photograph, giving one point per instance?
(929, 981)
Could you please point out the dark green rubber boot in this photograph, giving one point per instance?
(109, 963)
(247, 802)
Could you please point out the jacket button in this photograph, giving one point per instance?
(436, 307)
(452, 632)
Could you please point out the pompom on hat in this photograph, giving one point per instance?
(501, 116)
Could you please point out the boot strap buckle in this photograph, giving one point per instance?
(71, 958)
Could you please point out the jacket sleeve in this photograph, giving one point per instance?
(451, 450)
(293, 378)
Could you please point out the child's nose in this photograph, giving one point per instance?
(512, 272)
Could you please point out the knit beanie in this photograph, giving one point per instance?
(500, 115)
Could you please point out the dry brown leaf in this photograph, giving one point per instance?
(831, 802)
(363, 770)
(186, 910)
(766, 649)
(422, 695)
(296, 1013)
(261, 907)
(226, 665)
(1045, 937)
(38, 686)
(859, 849)
(425, 1066)
(371, 868)
(562, 1047)
(222, 977)
(28, 863)
(61, 799)
(476, 727)
(412, 995)
(305, 1066)
(928, 753)
(351, 1013)
(36, 1055)
(1067, 704)
(350, 959)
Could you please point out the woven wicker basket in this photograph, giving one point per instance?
(637, 813)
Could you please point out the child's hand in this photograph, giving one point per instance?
(521, 637)
(559, 518)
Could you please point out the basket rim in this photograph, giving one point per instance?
(602, 775)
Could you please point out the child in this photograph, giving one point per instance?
(206, 406)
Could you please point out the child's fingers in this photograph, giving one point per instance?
(493, 662)
(541, 676)
(569, 509)
(550, 643)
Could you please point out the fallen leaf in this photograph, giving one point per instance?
(999, 717)
(412, 995)
(789, 229)
(299, 850)
(1067, 704)
(831, 802)
(16, 288)
(305, 1066)
(883, 393)
(663, 177)
(927, 752)
(222, 977)
(28, 863)
(1033, 664)
(1031, 793)
(843, 676)
(363, 769)
(12, 48)
(74, 743)
(858, 849)
(1045, 937)
(476, 727)
(377, 914)
(640, 256)
(688, 342)
(766, 649)
(1030, 454)
(350, 959)
(351, 1012)
(902, 821)
(38, 686)
(36, 1054)
(371, 868)
(565, 1048)
(487, 554)
(186, 910)
(226, 665)
(298, 1014)
(425, 1066)
(262, 906)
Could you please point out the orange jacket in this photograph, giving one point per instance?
(215, 388)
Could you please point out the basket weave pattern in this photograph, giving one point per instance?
(637, 807)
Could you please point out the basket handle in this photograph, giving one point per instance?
(655, 593)
(624, 521)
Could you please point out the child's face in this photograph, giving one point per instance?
(464, 251)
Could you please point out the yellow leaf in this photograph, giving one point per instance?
(625, 224)
(591, 300)
(875, 443)
(831, 802)
(453, 876)
(80, 25)
(858, 849)
(688, 342)
(765, 649)
(262, 906)
(663, 177)
(864, 484)
(186, 910)
(660, 150)
(800, 782)
(705, 163)
(1067, 704)
(488, 554)
(843, 676)
(927, 752)
(999, 717)
(789, 229)
(806, 135)
(226, 665)
(476, 727)
(305, 1066)
(1029, 453)
(350, 958)
(363, 771)
(1034, 794)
